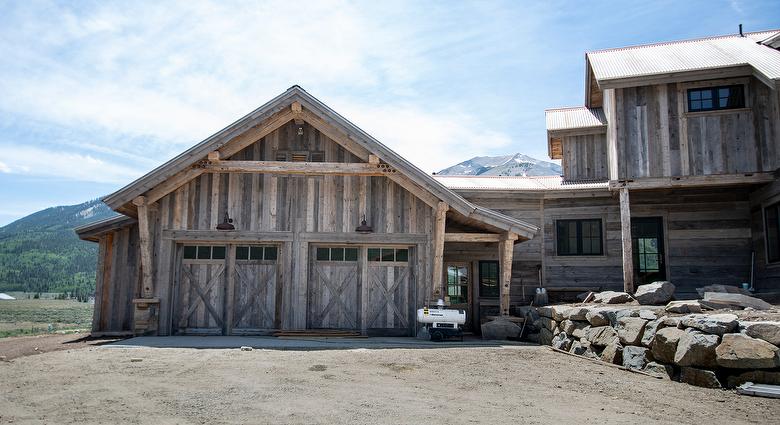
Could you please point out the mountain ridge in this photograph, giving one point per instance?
(517, 164)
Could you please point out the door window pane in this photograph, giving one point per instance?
(270, 253)
(388, 254)
(256, 253)
(350, 254)
(323, 254)
(190, 252)
(401, 255)
(218, 253)
(242, 253)
(204, 253)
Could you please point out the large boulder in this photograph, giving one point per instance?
(612, 297)
(597, 317)
(581, 333)
(717, 324)
(602, 336)
(699, 377)
(656, 293)
(613, 353)
(696, 349)
(768, 331)
(569, 326)
(545, 322)
(500, 329)
(648, 314)
(630, 329)
(738, 351)
(555, 312)
(660, 370)
(636, 357)
(650, 329)
(577, 348)
(665, 344)
(684, 307)
(561, 341)
(576, 313)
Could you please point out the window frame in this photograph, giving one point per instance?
(383, 252)
(579, 238)
(343, 257)
(714, 97)
(772, 261)
(199, 248)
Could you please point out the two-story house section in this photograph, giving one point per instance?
(669, 173)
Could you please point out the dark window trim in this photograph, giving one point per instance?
(740, 103)
(579, 252)
(498, 278)
(772, 256)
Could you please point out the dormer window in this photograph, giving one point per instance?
(716, 98)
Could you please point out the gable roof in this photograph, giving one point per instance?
(122, 199)
(611, 67)
(559, 119)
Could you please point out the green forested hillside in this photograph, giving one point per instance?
(41, 253)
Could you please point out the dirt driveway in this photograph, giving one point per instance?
(528, 384)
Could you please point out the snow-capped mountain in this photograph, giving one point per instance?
(505, 165)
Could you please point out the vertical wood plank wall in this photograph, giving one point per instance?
(298, 204)
(656, 137)
(585, 157)
(117, 281)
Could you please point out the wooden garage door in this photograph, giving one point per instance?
(255, 292)
(334, 300)
(200, 299)
(390, 300)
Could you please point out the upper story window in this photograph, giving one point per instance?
(772, 232)
(579, 237)
(716, 98)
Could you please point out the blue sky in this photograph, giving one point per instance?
(95, 94)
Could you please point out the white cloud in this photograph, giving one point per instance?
(4, 168)
(64, 165)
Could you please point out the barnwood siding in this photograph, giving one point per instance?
(300, 205)
(656, 137)
(585, 157)
(707, 239)
(117, 281)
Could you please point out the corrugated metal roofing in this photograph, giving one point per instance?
(688, 55)
(577, 117)
(521, 184)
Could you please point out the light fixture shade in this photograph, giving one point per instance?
(364, 227)
(226, 223)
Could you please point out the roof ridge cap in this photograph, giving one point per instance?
(666, 43)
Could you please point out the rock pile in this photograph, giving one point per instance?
(709, 350)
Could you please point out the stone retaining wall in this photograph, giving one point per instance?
(708, 350)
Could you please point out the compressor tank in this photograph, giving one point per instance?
(436, 315)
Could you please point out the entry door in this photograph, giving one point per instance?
(255, 290)
(648, 246)
(458, 290)
(201, 290)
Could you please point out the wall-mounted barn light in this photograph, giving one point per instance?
(300, 130)
(364, 227)
(226, 223)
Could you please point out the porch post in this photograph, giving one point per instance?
(145, 244)
(505, 255)
(438, 248)
(625, 230)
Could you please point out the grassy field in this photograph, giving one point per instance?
(31, 317)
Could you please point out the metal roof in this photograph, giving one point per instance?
(688, 55)
(520, 184)
(576, 117)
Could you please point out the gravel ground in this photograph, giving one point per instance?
(528, 384)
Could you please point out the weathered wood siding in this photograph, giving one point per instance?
(117, 281)
(707, 234)
(657, 137)
(325, 208)
(585, 157)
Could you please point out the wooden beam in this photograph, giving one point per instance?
(505, 255)
(255, 133)
(693, 181)
(225, 236)
(172, 184)
(373, 159)
(415, 189)
(335, 134)
(145, 246)
(440, 220)
(625, 232)
(305, 168)
(472, 237)
(296, 107)
(214, 156)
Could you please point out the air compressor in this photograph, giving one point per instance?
(442, 323)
